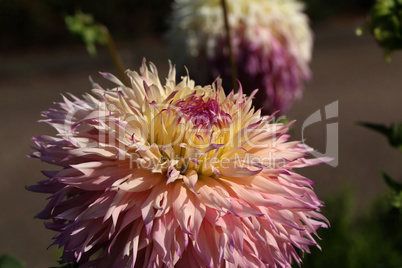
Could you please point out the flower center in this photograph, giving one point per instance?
(203, 114)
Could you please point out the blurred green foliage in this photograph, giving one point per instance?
(396, 188)
(372, 239)
(9, 261)
(385, 24)
(84, 25)
(393, 133)
(37, 22)
(369, 239)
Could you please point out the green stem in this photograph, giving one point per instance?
(232, 62)
(118, 63)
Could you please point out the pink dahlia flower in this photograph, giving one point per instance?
(177, 175)
(271, 40)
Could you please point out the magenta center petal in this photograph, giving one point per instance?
(204, 113)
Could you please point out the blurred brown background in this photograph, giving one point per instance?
(39, 60)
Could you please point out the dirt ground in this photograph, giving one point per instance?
(346, 68)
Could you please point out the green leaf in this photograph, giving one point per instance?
(376, 127)
(9, 261)
(385, 25)
(84, 25)
(394, 185)
(393, 133)
(397, 201)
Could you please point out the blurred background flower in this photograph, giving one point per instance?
(271, 43)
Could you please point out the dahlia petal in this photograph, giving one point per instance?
(249, 194)
(265, 184)
(213, 195)
(111, 78)
(147, 208)
(235, 170)
(140, 180)
(190, 179)
(206, 246)
(188, 210)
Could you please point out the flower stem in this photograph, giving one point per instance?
(114, 54)
(232, 62)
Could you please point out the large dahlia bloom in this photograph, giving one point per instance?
(177, 175)
(271, 41)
